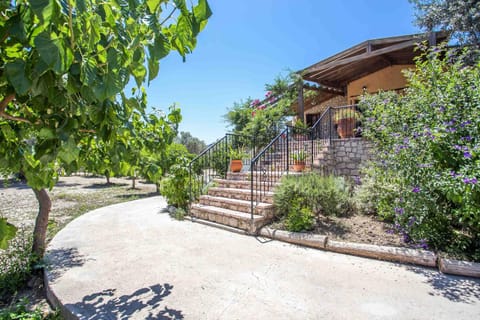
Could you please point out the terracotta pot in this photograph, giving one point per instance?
(345, 127)
(236, 165)
(298, 166)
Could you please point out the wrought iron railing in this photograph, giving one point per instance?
(338, 122)
(214, 161)
(291, 147)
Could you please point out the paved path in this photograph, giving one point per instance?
(132, 261)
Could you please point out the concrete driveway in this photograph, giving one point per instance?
(132, 261)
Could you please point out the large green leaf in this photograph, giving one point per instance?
(153, 5)
(44, 9)
(69, 152)
(54, 52)
(7, 232)
(201, 13)
(17, 76)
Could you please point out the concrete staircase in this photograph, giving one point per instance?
(228, 202)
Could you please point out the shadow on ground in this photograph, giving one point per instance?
(58, 261)
(105, 185)
(137, 196)
(454, 288)
(105, 305)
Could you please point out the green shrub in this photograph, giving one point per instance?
(428, 145)
(175, 187)
(15, 264)
(299, 218)
(19, 311)
(376, 194)
(320, 194)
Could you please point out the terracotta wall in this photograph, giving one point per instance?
(389, 78)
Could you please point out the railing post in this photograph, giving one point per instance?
(288, 149)
(190, 186)
(330, 126)
(311, 142)
(252, 172)
(226, 155)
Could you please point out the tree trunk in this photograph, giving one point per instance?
(108, 179)
(41, 223)
(133, 182)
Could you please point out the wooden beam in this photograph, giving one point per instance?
(364, 56)
(300, 110)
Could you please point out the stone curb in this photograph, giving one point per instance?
(394, 254)
(56, 303)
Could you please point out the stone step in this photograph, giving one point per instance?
(270, 175)
(240, 194)
(245, 184)
(228, 217)
(262, 208)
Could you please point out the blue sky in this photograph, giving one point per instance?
(247, 43)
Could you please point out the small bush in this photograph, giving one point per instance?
(376, 195)
(320, 194)
(299, 218)
(15, 264)
(175, 188)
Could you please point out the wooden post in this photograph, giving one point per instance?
(300, 111)
(432, 39)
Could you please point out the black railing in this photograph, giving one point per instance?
(338, 123)
(214, 161)
(290, 150)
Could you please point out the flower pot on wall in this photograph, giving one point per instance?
(345, 127)
(236, 165)
(298, 166)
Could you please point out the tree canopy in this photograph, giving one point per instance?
(460, 17)
(63, 68)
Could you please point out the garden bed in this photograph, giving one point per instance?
(355, 228)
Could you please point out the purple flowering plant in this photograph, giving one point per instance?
(428, 145)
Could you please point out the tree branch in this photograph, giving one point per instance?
(3, 106)
(168, 17)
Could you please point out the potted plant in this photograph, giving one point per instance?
(299, 158)
(236, 159)
(345, 119)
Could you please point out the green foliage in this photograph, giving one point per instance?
(7, 232)
(460, 17)
(66, 65)
(428, 145)
(299, 218)
(19, 311)
(176, 186)
(15, 264)
(376, 194)
(237, 153)
(299, 156)
(320, 194)
(178, 213)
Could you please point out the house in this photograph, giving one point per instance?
(244, 200)
(370, 66)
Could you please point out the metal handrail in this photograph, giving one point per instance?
(213, 162)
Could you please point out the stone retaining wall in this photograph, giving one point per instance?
(345, 157)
